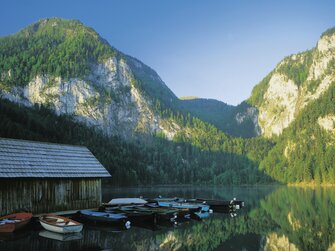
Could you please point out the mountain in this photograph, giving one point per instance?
(58, 74)
(239, 121)
(69, 67)
(296, 102)
(61, 82)
(207, 156)
(279, 98)
(294, 106)
(295, 82)
(305, 152)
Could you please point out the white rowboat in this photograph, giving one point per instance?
(60, 224)
(126, 201)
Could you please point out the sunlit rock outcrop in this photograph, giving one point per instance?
(278, 108)
(294, 83)
(108, 99)
(275, 242)
(327, 123)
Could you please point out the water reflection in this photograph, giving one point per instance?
(276, 218)
(305, 216)
(60, 237)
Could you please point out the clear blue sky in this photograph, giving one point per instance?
(207, 48)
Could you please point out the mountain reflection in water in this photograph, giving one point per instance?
(275, 218)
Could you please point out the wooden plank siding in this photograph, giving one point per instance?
(49, 195)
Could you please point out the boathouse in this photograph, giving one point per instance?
(46, 177)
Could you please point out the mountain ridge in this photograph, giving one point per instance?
(64, 64)
(296, 81)
(69, 69)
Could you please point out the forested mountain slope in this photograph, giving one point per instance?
(239, 121)
(146, 161)
(296, 81)
(297, 102)
(69, 67)
(61, 82)
(305, 152)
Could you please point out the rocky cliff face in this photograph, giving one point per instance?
(107, 99)
(248, 115)
(278, 109)
(293, 84)
(67, 66)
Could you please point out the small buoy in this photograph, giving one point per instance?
(127, 224)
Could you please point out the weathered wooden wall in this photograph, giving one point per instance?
(48, 195)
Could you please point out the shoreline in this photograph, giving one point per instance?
(310, 184)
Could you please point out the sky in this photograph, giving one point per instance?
(216, 49)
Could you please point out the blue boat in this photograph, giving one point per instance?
(105, 217)
(183, 205)
(202, 215)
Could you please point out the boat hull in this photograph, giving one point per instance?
(7, 228)
(60, 224)
(14, 222)
(105, 218)
(182, 205)
(126, 201)
(62, 230)
(224, 206)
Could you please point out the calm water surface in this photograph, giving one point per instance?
(275, 218)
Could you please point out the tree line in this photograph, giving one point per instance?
(147, 160)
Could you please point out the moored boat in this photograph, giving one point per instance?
(176, 202)
(179, 204)
(59, 224)
(213, 203)
(152, 212)
(221, 206)
(125, 201)
(180, 214)
(133, 213)
(161, 213)
(13, 222)
(109, 217)
(224, 206)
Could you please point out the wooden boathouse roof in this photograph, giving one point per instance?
(22, 159)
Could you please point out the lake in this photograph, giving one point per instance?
(274, 218)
